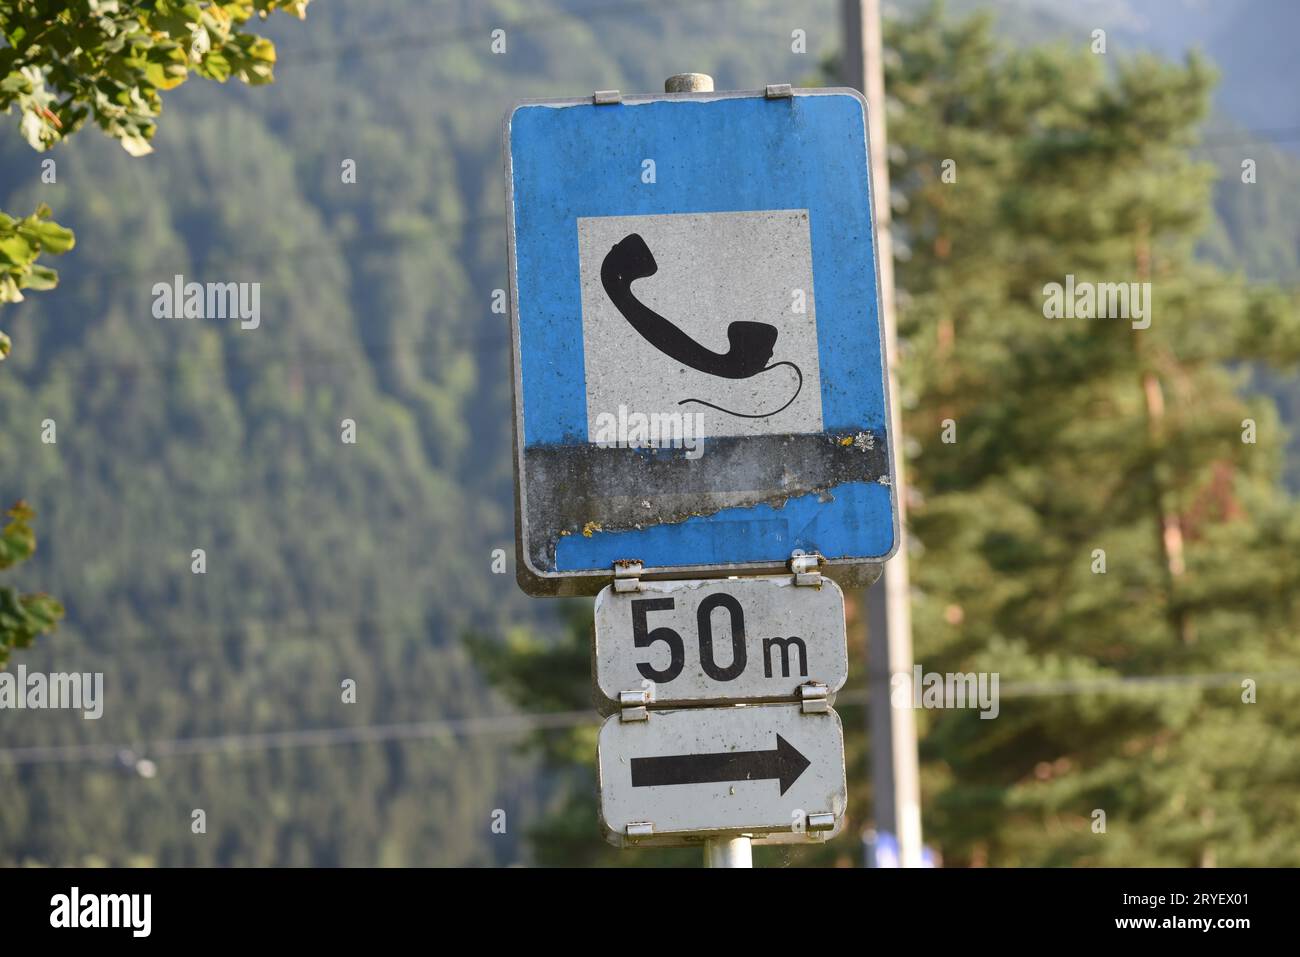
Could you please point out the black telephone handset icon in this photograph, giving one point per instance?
(750, 343)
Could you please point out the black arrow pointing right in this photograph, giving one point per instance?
(784, 763)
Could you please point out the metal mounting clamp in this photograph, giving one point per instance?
(627, 575)
(778, 91)
(805, 568)
(814, 698)
(820, 822)
(641, 829)
(633, 705)
(606, 97)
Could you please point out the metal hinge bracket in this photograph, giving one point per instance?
(641, 829)
(820, 822)
(627, 575)
(634, 705)
(814, 698)
(804, 565)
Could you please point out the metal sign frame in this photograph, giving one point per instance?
(834, 461)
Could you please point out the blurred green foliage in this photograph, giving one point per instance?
(22, 616)
(108, 59)
(65, 62)
(21, 241)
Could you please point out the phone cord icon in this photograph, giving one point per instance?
(750, 343)
(761, 415)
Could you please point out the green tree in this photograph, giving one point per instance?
(21, 242)
(1110, 507)
(107, 60)
(22, 616)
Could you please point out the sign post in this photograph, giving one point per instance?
(702, 435)
(735, 852)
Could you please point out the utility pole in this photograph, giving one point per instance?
(894, 775)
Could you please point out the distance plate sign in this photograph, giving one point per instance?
(718, 641)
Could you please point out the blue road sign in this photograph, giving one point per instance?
(698, 358)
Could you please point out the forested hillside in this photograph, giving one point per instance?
(325, 560)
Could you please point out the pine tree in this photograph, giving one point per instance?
(1105, 504)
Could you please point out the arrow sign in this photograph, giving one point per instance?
(761, 785)
(784, 763)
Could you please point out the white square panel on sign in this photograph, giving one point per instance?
(708, 314)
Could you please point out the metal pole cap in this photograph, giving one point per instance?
(689, 83)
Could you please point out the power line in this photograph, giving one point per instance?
(303, 738)
(550, 721)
